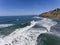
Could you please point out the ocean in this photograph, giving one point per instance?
(29, 30)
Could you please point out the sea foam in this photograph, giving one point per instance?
(26, 35)
(5, 25)
(47, 23)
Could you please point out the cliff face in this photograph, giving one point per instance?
(51, 14)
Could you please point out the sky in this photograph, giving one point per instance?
(27, 7)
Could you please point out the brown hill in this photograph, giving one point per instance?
(51, 14)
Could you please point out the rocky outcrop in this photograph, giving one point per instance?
(51, 14)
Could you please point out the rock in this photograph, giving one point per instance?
(51, 14)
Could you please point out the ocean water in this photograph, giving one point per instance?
(29, 30)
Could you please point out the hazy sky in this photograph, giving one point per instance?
(27, 7)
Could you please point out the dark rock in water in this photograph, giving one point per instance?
(51, 14)
(48, 39)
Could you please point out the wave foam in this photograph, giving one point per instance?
(36, 17)
(5, 25)
(26, 35)
(48, 23)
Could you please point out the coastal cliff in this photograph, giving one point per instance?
(51, 14)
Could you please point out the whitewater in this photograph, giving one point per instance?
(5, 25)
(28, 35)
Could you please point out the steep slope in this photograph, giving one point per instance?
(51, 14)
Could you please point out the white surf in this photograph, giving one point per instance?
(26, 35)
(5, 25)
(47, 23)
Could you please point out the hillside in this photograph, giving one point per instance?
(51, 14)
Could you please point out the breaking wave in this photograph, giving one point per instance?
(48, 23)
(5, 25)
(27, 35)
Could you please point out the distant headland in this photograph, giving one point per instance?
(51, 14)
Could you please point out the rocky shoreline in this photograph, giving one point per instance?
(51, 14)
